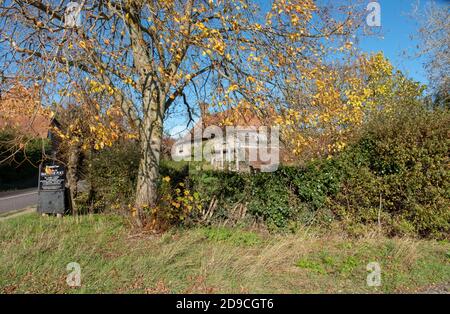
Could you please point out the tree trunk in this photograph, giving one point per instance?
(150, 136)
(72, 172)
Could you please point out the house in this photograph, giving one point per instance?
(236, 140)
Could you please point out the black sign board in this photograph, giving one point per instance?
(51, 189)
(51, 178)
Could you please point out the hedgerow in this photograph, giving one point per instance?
(394, 175)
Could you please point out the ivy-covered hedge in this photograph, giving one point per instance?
(288, 195)
(396, 175)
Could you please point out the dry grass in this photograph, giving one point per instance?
(115, 259)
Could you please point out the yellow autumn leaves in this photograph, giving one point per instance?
(97, 87)
(177, 202)
(298, 11)
(340, 103)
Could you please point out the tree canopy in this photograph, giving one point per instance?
(150, 56)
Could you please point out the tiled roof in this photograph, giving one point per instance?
(239, 117)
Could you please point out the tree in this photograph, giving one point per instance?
(153, 55)
(435, 35)
(343, 97)
(89, 121)
(23, 119)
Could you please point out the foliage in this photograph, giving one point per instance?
(394, 174)
(272, 199)
(90, 118)
(176, 204)
(277, 198)
(113, 174)
(401, 173)
(20, 170)
(345, 97)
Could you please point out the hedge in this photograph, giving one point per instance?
(396, 173)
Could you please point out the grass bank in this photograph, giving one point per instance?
(115, 259)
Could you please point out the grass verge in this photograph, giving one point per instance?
(113, 259)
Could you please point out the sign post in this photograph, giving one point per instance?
(51, 192)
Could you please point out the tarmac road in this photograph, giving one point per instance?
(19, 199)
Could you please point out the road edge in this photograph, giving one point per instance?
(17, 213)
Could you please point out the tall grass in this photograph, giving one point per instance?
(116, 259)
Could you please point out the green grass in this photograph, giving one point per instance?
(116, 259)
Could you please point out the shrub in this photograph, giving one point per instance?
(396, 173)
(226, 189)
(273, 199)
(114, 175)
(176, 205)
(277, 198)
(399, 170)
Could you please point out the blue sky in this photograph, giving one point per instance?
(394, 36)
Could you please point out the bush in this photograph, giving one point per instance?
(399, 171)
(395, 173)
(273, 199)
(114, 175)
(277, 198)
